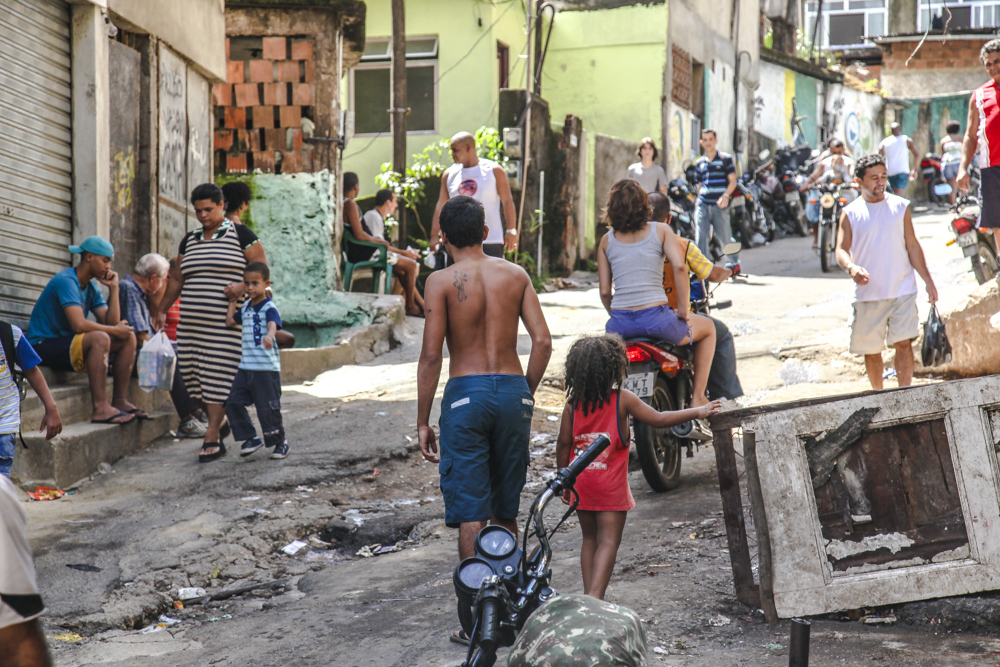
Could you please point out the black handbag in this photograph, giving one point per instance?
(936, 349)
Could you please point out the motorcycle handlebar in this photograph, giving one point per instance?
(567, 476)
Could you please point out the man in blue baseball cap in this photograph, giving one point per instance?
(66, 340)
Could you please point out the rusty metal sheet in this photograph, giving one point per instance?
(908, 511)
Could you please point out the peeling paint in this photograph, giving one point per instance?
(841, 549)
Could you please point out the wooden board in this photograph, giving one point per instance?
(912, 510)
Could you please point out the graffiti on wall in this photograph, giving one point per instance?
(173, 128)
(854, 117)
(123, 172)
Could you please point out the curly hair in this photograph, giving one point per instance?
(628, 207)
(595, 366)
(866, 162)
(989, 47)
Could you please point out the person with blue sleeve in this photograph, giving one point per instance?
(258, 377)
(67, 341)
(25, 358)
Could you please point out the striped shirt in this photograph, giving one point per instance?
(254, 320)
(713, 175)
(10, 398)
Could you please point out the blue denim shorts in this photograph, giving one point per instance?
(8, 446)
(485, 427)
(899, 181)
(659, 323)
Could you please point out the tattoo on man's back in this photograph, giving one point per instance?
(460, 280)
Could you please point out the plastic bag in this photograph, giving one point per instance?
(936, 349)
(157, 361)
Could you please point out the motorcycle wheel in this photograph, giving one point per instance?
(743, 224)
(985, 264)
(770, 227)
(659, 450)
(801, 227)
(827, 249)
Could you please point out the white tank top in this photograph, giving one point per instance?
(878, 245)
(480, 183)
(897, 156)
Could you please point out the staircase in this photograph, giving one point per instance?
(78, 451)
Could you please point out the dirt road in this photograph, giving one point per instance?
(113, 556)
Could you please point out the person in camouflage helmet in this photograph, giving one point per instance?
(579, 630)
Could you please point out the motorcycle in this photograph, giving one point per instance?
(930, 168)
(978, 245)
(754, 223)
(499, 587)
(781, 209)
(662, 376)
(682, 207)
(794, 166)
(831, 202)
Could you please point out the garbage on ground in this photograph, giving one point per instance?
(307, 489)
(888, 373)
(660, 650)
(178, 604)
(258, 510)
(377, 550)
(719, 620)
(220, 618)
(67, 637)
(46, 493)
(83, 567)
(774, 647)
(553, 418)
(192, 593)
(294, 547)
(875, 619)
(249, 498)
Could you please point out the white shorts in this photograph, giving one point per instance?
(884, 322)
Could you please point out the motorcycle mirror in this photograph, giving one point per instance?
(763, 155)
(942, 189)
(731, 248)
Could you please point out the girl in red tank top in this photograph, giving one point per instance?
(595, 370)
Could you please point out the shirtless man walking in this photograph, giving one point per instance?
(487, 406)
(486, 182)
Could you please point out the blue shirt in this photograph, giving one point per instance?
(254, 320)
(48, 319)
(25, 358)
(713, 176)
(132, 305)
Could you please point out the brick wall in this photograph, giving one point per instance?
(934, 54)
(260, 109)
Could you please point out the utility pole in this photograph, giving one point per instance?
(399, 109)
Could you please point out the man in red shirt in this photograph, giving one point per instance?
(982, 133)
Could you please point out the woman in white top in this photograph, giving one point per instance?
(951, 156)
(651, 176)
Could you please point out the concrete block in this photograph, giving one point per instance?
(974, 343)
(261, 71)
(302, 50)
(276, 94)
(222, 94)
(247, 95)
(77, 452)
(263, 117)
(234, 71)
(310, 73)
(275, 48)
(235, 118)
(289, 71)
(302, 94)
(290, 116)
(274, 139)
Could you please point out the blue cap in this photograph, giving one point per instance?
(96, 245)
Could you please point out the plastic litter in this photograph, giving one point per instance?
(166, 620)
(104, 468)
(157, 361)
(258, 510)
(660, 650)
(719, 620)
(46, 493)
(178, 604)
(774, 647)
(889, 374)
(67, 637)
(294, 547)
(248, 498)
(552, 418)
(191, 593)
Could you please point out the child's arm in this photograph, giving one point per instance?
(51, 422)
(564, 444)
(272, 331)
(647, 415)
(231, 314)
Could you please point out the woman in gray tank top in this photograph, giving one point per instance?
(631, 256)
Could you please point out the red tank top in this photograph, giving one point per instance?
(603, 486)
(988, 104)
(173, 318)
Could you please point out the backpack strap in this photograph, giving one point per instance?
(9, 353)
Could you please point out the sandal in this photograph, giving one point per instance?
(112, 418)
(205, 458)
(140, 415)
(459, 637)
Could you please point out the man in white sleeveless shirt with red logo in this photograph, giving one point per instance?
(877, 246)
(484, 181)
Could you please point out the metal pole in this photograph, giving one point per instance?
(399, 103)
(798, 646)
(541, 215)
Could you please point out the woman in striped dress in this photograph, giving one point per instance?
(206, 275)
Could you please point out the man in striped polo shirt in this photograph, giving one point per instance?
(715, 174)
(982, 133)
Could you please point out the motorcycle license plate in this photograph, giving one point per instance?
(969, 242)
(641, 385)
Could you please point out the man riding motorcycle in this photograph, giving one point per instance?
(722, 379)
(826, 168)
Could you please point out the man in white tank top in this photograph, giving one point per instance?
(484, 181)
(877, 246)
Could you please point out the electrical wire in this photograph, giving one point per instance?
(474, 44)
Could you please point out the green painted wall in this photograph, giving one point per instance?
(942, 110)
(468, 71)
(805, 105)
(606, 67)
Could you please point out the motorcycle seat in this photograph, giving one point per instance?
(683, 352)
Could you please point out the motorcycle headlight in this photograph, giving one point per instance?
(470, 575)
(495, 542)
(826, 201)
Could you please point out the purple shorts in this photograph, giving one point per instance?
(658, 323)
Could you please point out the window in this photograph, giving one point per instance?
(371, 86)
(846, 24)
(503, 63)
(965, 14)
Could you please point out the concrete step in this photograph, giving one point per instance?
(72, 397)
(76, 453)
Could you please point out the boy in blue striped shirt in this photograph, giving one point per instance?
(258, 377)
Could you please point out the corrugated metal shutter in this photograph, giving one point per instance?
(35, 165)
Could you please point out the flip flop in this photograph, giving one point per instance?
(140, 415)
(459, 637)
(111, 419)
(205, 458)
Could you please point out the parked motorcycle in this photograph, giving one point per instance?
(832, 200)
(976, 244)
(502, 584)
(930, 168)
(682, 207)
(662, 376)
(753, 223)
(793, 166)
(779, 205)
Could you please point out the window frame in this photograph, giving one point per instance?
(975, 8)
(387, 65)
(824, 36)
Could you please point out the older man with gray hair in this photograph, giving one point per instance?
(134, 295)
